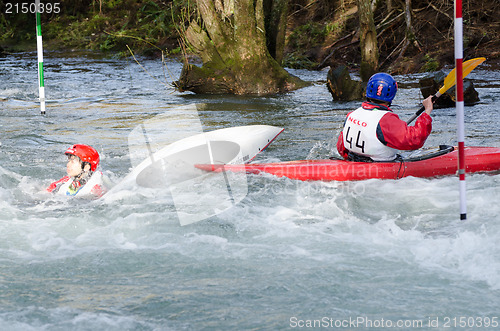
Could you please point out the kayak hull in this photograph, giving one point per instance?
(174, 162)
(477, 159)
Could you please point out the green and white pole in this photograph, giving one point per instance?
(41, 84)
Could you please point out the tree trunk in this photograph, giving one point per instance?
(232, 45)
(275, 23)
(410, 36)
(389, 5)
(367, 40)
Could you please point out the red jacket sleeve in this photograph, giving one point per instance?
(55, 184)
(395, 133)
(340, 142)
(340, 146)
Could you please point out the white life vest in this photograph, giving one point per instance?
(85, 190)
(360, 135)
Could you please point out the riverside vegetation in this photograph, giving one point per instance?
(413, 36)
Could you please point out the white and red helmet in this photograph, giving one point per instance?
(86, 154)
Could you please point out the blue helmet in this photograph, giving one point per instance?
(381, 87)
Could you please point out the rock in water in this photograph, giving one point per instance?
(431, 84)
(342, 87)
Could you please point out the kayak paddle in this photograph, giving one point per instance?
(450, 81)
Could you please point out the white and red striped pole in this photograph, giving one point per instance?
(460, 106)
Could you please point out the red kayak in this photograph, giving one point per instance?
(443, 162)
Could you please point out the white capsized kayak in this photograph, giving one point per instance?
(173, 167)
(232, 145)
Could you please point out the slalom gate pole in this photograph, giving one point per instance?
(460, 106)
(41, 84)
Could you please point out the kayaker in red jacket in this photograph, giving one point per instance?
(83, 179)
(374, 133)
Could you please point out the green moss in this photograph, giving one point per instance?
(430, 64)
(111, 27)
(333, 28)
(302, 40)
(297, 60)
(308, 35)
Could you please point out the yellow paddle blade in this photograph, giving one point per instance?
(467, 67)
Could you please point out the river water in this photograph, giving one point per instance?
(290, 255)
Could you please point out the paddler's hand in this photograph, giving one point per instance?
(428, 105)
